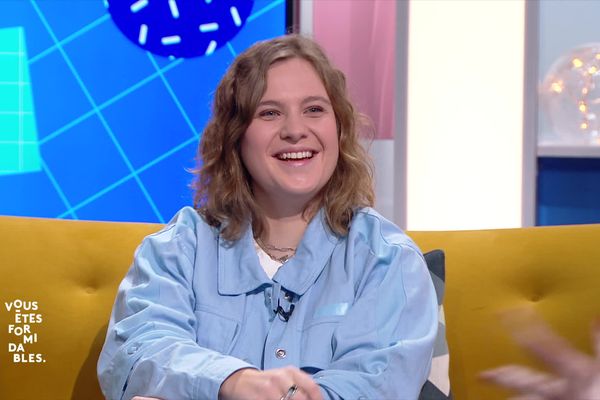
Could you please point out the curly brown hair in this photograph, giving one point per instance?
(223, 193)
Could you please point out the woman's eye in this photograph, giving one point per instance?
(268, 114)
(314, 109)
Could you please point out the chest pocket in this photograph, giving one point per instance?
(317, 343)
(215, 331)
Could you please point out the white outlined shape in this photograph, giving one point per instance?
(19, 147)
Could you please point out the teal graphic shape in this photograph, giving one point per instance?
(19, 148)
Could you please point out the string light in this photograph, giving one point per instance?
(557, 87)
(571, 95)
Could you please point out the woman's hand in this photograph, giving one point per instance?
(273, 384)
(576, 375)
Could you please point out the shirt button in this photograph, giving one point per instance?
(288, 296)
(280, 353)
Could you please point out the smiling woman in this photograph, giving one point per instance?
(225, 193)
(291, 146)
(282, 282)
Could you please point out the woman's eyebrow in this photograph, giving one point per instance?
(270, 103)
(310, 99)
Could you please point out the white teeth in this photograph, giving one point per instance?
(298, 155)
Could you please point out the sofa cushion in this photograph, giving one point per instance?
(437, 386)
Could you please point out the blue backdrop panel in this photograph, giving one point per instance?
(568, 191)
(118, 121)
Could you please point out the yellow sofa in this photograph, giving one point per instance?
(64, 275)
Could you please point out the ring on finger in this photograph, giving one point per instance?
(290, 393)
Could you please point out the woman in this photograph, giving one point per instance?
(282, 282)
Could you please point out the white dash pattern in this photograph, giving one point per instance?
(210, 27)
(143, 35)
(168, 40)
(174, 9)
(138, 5)
(211, 48)
(236, 16)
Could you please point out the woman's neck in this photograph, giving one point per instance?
(284, 231)
(284, 217)
(285, 221)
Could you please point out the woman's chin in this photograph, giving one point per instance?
(298, 194)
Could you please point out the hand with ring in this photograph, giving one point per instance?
(290, 393)
(287, 383)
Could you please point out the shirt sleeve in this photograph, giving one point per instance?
(384, 345)
(150, 347)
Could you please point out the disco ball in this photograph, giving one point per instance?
(570, 94)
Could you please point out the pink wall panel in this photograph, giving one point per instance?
(360, 38)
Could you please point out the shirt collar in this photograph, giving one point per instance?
(240, 271)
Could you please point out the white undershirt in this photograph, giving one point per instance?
(269, 265)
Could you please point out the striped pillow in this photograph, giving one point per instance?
(437, 386)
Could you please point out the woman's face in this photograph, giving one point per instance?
(291, 146)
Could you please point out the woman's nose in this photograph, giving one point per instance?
(294, 128)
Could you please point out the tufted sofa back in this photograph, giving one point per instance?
(66, 273)
(554, 270)
(71, 270)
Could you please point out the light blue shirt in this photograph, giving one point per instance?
(195, 308)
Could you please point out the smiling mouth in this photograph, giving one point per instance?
(294, 156)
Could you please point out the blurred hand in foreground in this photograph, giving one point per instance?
(574, 376)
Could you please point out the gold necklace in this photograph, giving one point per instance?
(268, 248)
